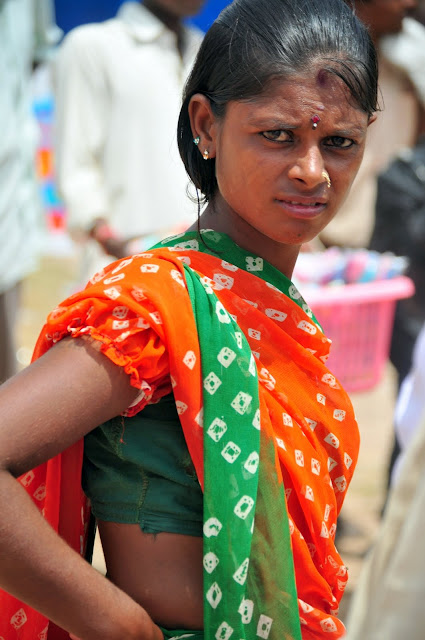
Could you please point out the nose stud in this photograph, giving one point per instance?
(326, 177)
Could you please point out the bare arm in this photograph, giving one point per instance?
(44, 409)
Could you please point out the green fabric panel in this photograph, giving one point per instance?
(140, 471)
(243, 596)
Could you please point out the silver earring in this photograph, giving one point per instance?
(196, 140)
(206, 154)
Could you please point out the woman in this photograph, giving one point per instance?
(204, 336)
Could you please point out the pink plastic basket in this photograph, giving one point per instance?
(358, 318)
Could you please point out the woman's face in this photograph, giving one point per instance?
(270, 159)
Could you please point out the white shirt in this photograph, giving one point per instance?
(27, 32)
(118, 92)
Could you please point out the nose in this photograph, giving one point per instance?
(308, 168)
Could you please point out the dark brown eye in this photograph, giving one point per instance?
(339, 141)
(276, 135)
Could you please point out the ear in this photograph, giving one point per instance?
(203, 123)
(372, 119)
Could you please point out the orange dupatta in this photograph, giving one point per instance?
(131, 309)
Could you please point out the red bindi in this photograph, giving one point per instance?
(315, 120)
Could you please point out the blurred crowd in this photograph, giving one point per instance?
(116, 88)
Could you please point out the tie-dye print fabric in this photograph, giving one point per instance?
(271, 433)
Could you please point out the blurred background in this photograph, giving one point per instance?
(58, 272)
(72, 14)
(68, 16)
(374, 391)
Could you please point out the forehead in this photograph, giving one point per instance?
(301, 96)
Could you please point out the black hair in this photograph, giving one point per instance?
(255, 41)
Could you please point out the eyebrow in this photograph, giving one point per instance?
(271, 121)
(274, 123)
(350, 131)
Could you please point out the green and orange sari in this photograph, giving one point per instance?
(270, 431)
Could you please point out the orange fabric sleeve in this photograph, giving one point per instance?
(127, 325)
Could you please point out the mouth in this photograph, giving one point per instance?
(303, 207)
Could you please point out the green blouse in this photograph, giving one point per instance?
(138, 470)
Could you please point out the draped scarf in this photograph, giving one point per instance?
(271, 433)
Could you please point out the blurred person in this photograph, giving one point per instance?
(388, 600)
(419, 13)
(118, 88)
(400, 201)
(401, 47)
(27, 35)
(400, 228)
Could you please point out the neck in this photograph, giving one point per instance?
(282, 257)
(170, 20)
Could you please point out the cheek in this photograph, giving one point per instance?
(229, 176)
(345, 175)
(238, 174)
(341, 189)
(347, 179)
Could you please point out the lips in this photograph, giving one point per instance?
(303, 204)
(303, 207)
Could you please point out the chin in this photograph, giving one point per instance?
(297, 238)
(293, 239)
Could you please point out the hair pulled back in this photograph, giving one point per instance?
(253, 42)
